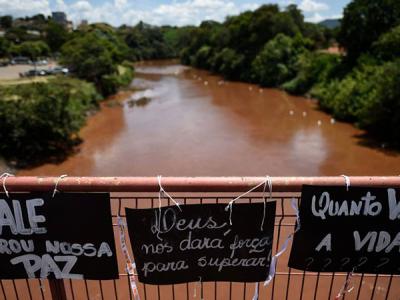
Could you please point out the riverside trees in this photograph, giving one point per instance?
(277, 48)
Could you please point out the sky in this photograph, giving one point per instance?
(162, 12)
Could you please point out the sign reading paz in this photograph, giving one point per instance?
(341, 231)
(68, 236)
(198, 243)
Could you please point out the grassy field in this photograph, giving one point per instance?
(24, 80)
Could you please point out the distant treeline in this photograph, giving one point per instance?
(277, 48)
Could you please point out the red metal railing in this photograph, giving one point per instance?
(141, 192)
(185, 184)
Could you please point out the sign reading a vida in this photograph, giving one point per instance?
(198, 243)
(68, 236)
(341, 231)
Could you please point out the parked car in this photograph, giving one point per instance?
(19, 60)
(4, 63)
(42, 62)
(33, 72)
(58, 70)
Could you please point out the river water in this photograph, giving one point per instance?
(194, 124)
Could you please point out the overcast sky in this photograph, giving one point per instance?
(162, 12)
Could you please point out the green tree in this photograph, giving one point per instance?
(6, 22)
(147, 42)
(94, 55)
(4, 47)
(388, 45)
(380, 110)
(56, 36)
(90, 57)
(364, 21)
(42, 120)
(229, 63)
(312, 69)
(33, 50)
(275, 64)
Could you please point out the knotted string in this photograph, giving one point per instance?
(198, 283)
(345, 288)
(265, 182)
(42, 284)
(5, 176)
(347, 181)
(274, 260)
(255, 296)
(130, 265)
(161, 194)
(56, 185)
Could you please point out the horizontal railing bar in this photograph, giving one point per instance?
(276, 224)
(336, 274)
(308, 274)
(186, 184)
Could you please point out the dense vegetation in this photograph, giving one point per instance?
(139, 42)
(40, 120)
(277, 48)
(94, 54)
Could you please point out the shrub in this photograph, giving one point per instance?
(343, 98)
(111, 83)
(368, 96)
(228, 63)
(388, 45)
(275, 64)
(380, 112)
(202, 58)
(311, 68)
(41, 120)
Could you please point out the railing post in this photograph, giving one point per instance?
(57, 289)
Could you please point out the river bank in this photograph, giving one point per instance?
(198, 124)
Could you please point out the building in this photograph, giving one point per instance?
(60, 18)
(70, 26)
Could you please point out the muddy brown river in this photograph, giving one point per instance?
(194, 124)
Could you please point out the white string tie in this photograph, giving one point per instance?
(163, 192)
(230, 204)
(5, 176)
(255, 296)
(56, 185)
(296, 210)
(347, 181)
(130, 265)
(274, 260)
(198, 283)
(345, 288)
(42, 284)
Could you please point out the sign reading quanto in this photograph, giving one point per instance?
(68, 236)
(348, 230)
(198, 243)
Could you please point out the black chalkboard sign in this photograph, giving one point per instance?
(341, 231)
(68, 236)
(199, 243)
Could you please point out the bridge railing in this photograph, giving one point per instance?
(142, 192)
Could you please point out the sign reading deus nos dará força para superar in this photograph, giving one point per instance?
(197, 242)
(68, 236)
(343, 230)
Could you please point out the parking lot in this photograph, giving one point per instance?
(12, 71)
